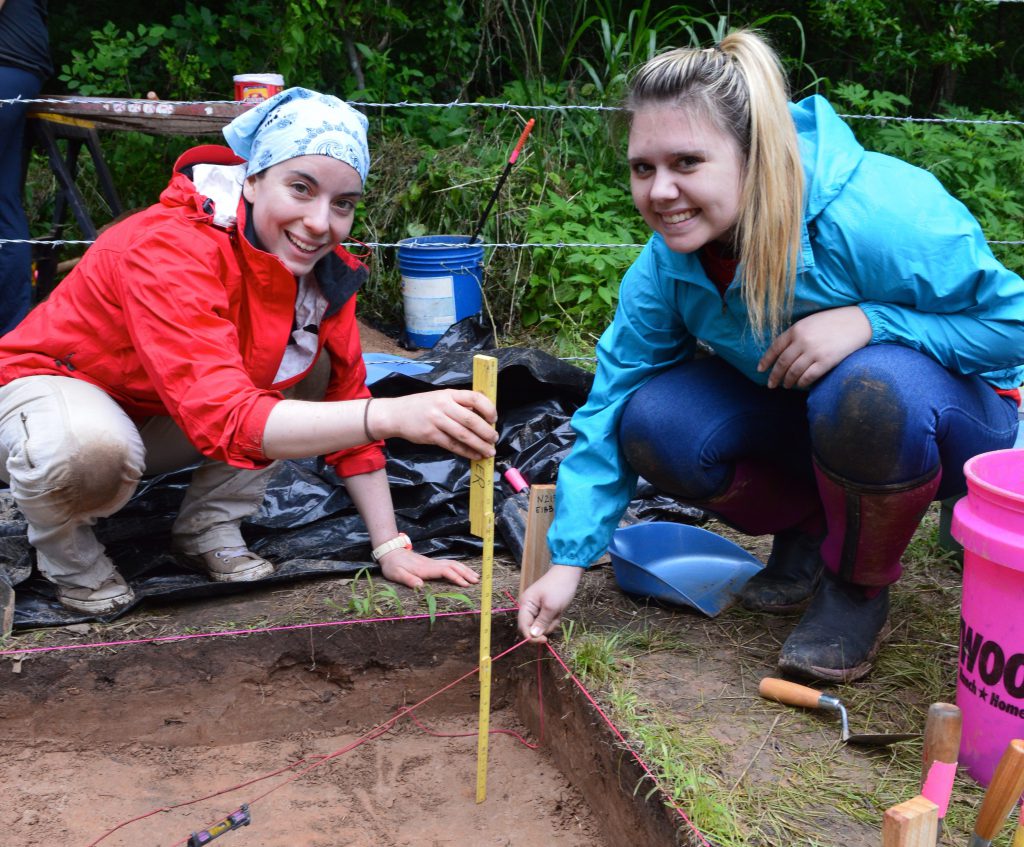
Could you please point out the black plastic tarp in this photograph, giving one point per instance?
(307, 523)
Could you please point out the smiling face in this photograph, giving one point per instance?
(303, 207)
(686, 175)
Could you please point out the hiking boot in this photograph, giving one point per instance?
(230, 564)
(789, 579)
(112, 595)
(840, 633)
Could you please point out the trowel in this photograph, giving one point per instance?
(793, 694)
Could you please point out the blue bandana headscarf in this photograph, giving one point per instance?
(300, 122)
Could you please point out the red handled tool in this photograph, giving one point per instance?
(502, 178)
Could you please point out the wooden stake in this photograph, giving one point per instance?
(481, 523)
(913, 823)
(942, 730)
(6, 605)
(536, 557)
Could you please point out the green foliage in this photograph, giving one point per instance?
(621, 48)
(917, 46)
(116, 64)
(435, 168)
(982, 164)
(596, 657)
(577, 287)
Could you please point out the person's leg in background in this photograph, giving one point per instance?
(706, 434)
(15, 259)
(207, 532)
(890, 431)
(71, 456)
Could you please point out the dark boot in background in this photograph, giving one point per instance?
(869, 527)
(790, 577)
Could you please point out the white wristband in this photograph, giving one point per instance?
(401, 540)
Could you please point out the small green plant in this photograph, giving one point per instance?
(597, 657)
(447, 598)
(371, 599)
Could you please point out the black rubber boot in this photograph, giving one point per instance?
(839, 635)
(789, 579)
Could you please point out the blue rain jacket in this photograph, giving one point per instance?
(878, 233)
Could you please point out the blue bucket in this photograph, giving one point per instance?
(441, 278)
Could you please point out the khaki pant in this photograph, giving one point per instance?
(72, 456)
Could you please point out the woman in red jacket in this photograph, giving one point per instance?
(187, 331)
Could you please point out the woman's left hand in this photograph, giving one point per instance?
(814, 345)
(409, 568)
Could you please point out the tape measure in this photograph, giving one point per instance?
(481, 524)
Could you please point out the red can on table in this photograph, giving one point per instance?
(252, 88)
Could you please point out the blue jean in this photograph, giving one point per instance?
(886, 415)
(15, 259)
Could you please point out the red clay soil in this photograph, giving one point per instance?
(94, 738)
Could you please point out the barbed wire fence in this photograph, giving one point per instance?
(462, 104)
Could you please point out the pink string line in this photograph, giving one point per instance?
(628, 746)
(371, 735)
(24, 651)
(380, 729)
(612, 727)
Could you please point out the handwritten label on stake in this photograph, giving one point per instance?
(536, 558)
(481, 524)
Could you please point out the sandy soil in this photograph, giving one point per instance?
(93, 740)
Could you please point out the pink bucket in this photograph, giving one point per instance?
(989, 523)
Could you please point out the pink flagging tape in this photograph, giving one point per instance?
(644, 766)
(163, 639)
(938, 785)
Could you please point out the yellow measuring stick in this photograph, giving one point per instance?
(481, 523)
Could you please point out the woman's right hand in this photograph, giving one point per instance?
(458, 420)
(542, 604)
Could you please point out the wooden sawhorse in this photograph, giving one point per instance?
(48, 131)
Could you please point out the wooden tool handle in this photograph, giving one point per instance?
(1004, 790)
(790, 693)
(941, 735)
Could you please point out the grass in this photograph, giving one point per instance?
(749, 772)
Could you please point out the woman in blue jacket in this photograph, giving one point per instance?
(865, 342)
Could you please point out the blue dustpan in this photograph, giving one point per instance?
(681, 565)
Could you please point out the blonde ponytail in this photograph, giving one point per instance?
(740, 87)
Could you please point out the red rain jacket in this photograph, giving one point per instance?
(171, 314)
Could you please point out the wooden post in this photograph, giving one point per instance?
(913, 823)
(6, 605)
(536, 558)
